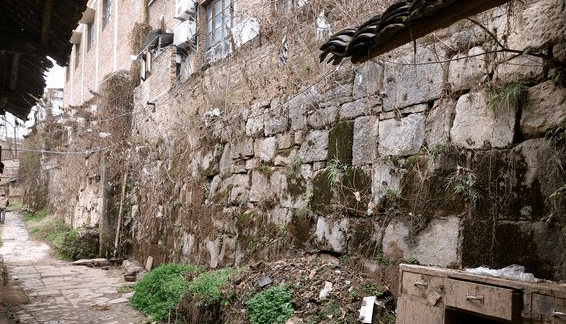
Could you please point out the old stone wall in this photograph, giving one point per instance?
(448, 152)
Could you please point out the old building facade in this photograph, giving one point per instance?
(245, 146)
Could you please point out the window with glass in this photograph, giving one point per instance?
(218, 26)
(281, 5)
(107, 12)
(90, 33)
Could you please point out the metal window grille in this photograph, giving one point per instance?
(219, 20)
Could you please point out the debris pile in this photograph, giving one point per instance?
(325, 289)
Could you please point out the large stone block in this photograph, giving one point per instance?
(462, 39)
(260, 186)
(265, 148)
(340, 140)
(315, 147)
(545, 109)
(226, 160)
(332, 235)
(395, 240)
(280, 215)
(246, 147)
(468, 70)
(337, 95)
(298, 117)
(300, 105)
(438, 244)
(401, 137)
(322, 118)
(240, 188)
(360, 107)
(408, 84)
(539, 169)
(385, 177)
(368, 80)
(536, 24)
(519, 68)
(254, 125)
(278, 183)
(364, 148)
(476, 125)
(559, 51)
(285, 141)
(275, 124)
(438, 122)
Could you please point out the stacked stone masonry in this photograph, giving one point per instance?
(365, 158)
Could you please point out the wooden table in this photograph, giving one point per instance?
(430, 295)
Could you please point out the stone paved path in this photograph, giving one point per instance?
(60, 292)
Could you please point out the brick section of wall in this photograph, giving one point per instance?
(109, 52)
(154, 90)
(157, 8)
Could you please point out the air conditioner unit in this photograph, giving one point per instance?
(185, 9)
(184, 33)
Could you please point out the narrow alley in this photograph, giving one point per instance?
(58, 291)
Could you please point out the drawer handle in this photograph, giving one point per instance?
(473, 298)
(422, 285)
(557, 314)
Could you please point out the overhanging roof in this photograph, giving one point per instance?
(401, 23)
(32, 30)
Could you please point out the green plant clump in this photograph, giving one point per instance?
(78, 244)
(206, 287)
(509, 97)
(160, 290)
(15, 205)
(464, 182)
(271, 306)
(30, 216)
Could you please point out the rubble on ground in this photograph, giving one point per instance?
(325, 290)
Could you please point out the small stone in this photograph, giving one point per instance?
(149, 263)
(264, 281)
(325, 292)
(312, 274)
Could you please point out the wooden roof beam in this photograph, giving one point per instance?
(46, 21)
(14, 71)
(18, 45)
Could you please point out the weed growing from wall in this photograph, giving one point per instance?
(510, 97)
(463, 182)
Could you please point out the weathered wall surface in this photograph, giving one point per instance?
(451, 155)
(109, 51)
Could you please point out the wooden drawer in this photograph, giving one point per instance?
(412, 310)
(482, 299)
(548, 309)
(424, 286)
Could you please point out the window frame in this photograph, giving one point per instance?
(106, 12)
(218, 26)
(90, 35)
(77, 55)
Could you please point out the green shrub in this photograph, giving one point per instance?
(79, 243)
(271, 306)
(160, 290)
(206, 287)
(15, 205)
(30, 216)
